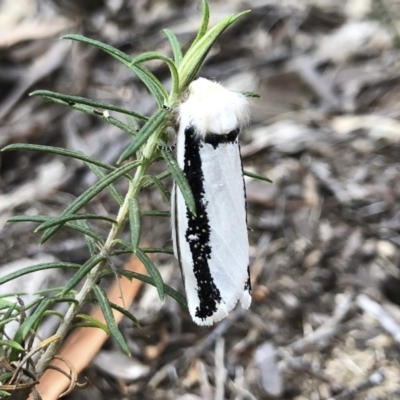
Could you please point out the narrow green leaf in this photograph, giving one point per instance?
(124, 312)
(257, 176)
(34, 320)
(61, 220)
(134, 223)
(3, 393)
(111, 188)
(148, 182)
(81, 325)
(150, 127)
(145, 249)
(29, 324)
(121, 125)
(153, 272)
(94, 112)
(5, 321)
(133, 124)
(11, 343)
(59, 151)
(161, 187)
(82, 272)
(129, 250)
(195, 56)
(180, 180)
(7, 316)
(148, 79)
(38, 267)
(32, 304)
(155, 213)
(45, 219)
(66, 299)
(152, 55)
(124, 243)
(49, 290)
(157, 250)
(10, 310)
(175, 46)
(54, 313)
(93, 191)
(94, 322)
(204, 22)
(87, 102)
(5, 295)
(114, 52)
(104, 304)
(85, 231)
(91, 244)
(151, 82)
(122, 251)
(5, 376)
(6, 303)
(147, 279)
(29, 218)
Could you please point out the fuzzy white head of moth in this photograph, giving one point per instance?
(213, 109)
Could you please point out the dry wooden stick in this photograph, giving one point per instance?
(83, 344)
(376, 310)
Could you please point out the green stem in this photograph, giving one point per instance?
(133, 191)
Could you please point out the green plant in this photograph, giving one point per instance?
(144, 149)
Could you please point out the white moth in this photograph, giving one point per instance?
(212, 247)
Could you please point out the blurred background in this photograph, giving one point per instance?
(325, 235)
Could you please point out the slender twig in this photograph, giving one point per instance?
(28, 356)
(325, 331)
(375, 379)
(220, 370)
(377, 311)
(194, 352)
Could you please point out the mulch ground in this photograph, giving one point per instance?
(325, 235)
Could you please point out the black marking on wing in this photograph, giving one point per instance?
(247, 285)
(198, 232)
(244, 183)
(216, 139)
(176, 230)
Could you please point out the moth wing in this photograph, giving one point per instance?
(226, 206)
(180, 225)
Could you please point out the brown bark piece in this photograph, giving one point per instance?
(83, 344)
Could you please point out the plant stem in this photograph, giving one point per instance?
(133, 191)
